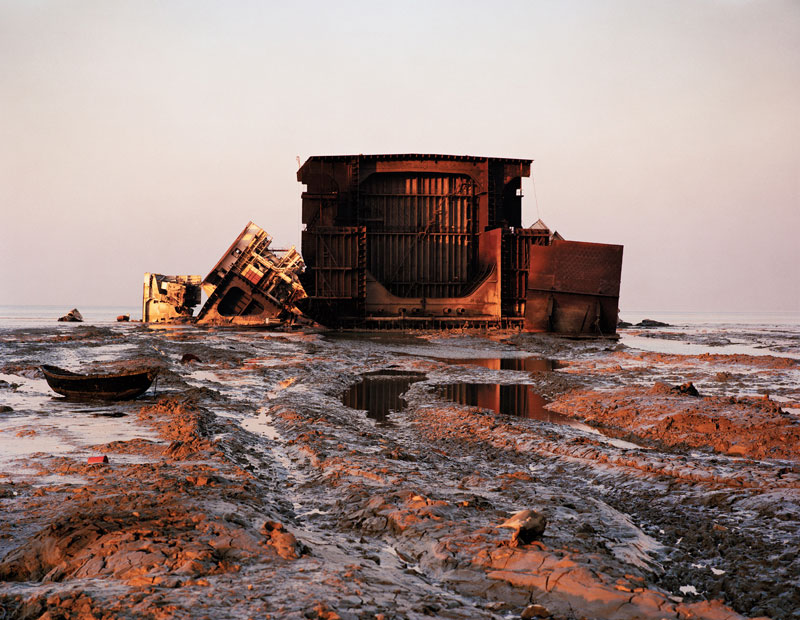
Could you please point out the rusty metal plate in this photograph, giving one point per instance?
(576, 267)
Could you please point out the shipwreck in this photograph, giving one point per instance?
(251, 285)
(436, 241)
(169, 298)
(406, 241)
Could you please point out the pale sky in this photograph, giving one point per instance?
(143, 135)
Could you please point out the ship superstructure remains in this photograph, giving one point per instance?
(251, 285)
(397, 241)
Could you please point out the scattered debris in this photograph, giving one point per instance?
(73, 316)
(528, 525)
(652, 323)
(169, 298)
(687, 389)
(535, 611)
(123, 318)
(284, 542)
(97, 459)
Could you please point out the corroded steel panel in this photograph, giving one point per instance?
(576, 267)
(573, 288)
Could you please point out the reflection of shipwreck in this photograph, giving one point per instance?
(250, 285)
(398, 241)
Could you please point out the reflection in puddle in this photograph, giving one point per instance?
(525, 364)
(379, 393)
(518, 400)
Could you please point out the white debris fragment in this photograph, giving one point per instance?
(716, 571)
(688, 590)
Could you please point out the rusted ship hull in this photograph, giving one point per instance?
(436, 241)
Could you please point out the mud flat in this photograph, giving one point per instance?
(311, 475)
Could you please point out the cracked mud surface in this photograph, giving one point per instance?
(245, 487)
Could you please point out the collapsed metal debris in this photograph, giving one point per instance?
(250, 285)
(169, 298)
(417, 240)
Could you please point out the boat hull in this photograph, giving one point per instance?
(120, 386)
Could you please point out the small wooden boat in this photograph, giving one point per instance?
(117, 386)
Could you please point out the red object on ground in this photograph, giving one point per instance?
(98, 459)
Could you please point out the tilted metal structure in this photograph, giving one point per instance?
(395, 241)
(253, 285)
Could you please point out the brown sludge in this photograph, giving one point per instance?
(265, 497)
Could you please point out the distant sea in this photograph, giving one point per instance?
(753, 333)
(713, 318)
(34, 316)
(43, 316)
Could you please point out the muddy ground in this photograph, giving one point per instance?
(245, 487)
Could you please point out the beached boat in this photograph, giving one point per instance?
(117, 386)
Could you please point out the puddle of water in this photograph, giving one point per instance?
(202, 376)
(379, 392)
(62, 479)
(280, 386)
(14, 445)
(73, 359)
(57, 426)
(519, 400)
(379, 337)
(680, 347)
(787, 408)
(524, 364)
(262, 425)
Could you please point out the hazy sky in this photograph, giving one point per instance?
(142, 136)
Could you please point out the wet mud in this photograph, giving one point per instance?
(308, 475)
